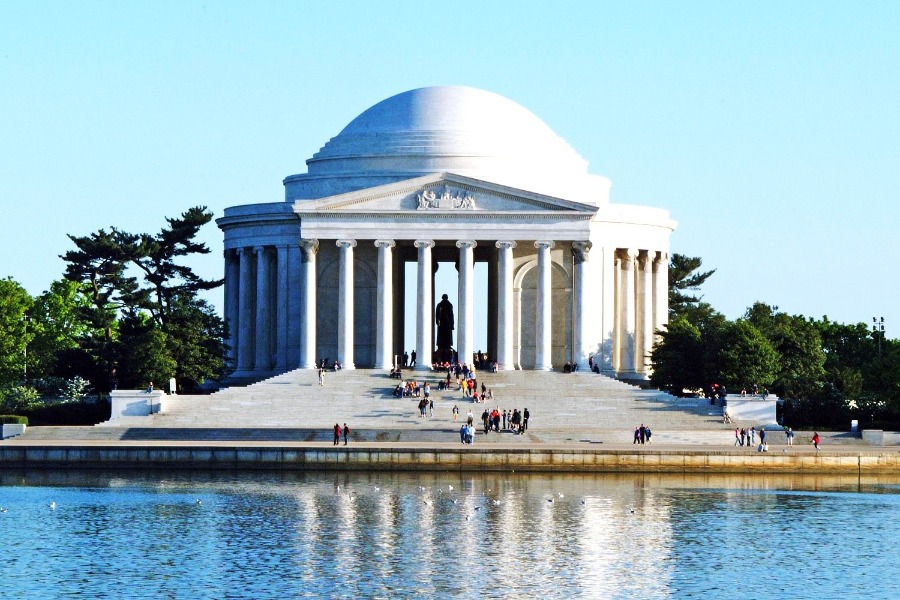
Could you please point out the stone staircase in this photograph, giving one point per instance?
(576, 407)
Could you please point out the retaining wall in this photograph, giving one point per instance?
(445, 459)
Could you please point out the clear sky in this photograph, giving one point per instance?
(769, 129)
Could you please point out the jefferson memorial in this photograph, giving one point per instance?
(445, 175)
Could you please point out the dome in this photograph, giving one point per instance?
(452, 129)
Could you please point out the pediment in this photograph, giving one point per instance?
(444, 194)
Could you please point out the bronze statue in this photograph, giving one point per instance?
(443, 318)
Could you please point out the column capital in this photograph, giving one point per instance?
(660, 260)
(626, 258)
(259, 249)
(424, 243)
(242, 251)
(505, 244)
(581, 249)
(548, 244)
(645, 257)
(345, 243)
(308, 248)
(466, 244)
(385, 243)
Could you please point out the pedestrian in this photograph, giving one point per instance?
(504, 419)
(737, 437)
(412, 358)
(346, 433)
(485, 417)
(470, 418)
(752, 436)
(763, 446)
(649, 434)
(462, 434)
(637, 436)
(643, 433)
(430, 407)
(337, 434)
(321, 376)
(816, 440)
(150, 388)
(743, 436)
(525, 416)
(455, 413)
(790, 436)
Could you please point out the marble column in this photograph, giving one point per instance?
(345, 303)
(424, 307)
(384, 306)
(282, 295)
(580, 252)
(466, 331)
(308, 249)
(505, 320)
(263, 360)
(646, 287)
(660, 291)
(627, 340)
(246, 311)
(232, 301)
(544, 314)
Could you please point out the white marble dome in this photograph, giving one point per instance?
(452, 129)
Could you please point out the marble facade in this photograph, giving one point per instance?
(445, 174)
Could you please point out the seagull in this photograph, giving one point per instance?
(198, 502)
(421, 488)
(550, 500)
(2, 509)
(377, 489)
(428, 502)
(449, 488)
(453, 500)
(582, 501)
(477, 508)
(496, 502)
(53, 505)
(560, 494)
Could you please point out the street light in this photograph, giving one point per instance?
(26, 319)
(878, 331)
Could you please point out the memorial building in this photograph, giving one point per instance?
(445, 175)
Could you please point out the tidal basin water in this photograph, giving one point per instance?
(387, 535)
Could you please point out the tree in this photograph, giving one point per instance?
(99, 263)
(196, 341)
(801, 358)
(14, 331)
(684, 277)
(57, 326)
(738, 354)
(677, 357)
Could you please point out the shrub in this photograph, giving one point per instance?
(13, 420)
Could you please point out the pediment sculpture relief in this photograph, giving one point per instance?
(428, 199)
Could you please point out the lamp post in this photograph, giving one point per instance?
(878, 331)
(26, 319)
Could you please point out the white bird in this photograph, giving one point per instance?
(53, 505)
(377, 489)
(199, 502)
(449, 488)
(428, 502)
(560, 494)
(421, 488)
(453, 500)
(477, 508)
(496, 502)
(2, 509)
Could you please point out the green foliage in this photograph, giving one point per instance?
(801, 358)
(69, 413)
(684, 278)
(57, 326)
(738, 354)
(13, 420)
(149, 329)
(14, 331)
(17, 398)
(677, 359)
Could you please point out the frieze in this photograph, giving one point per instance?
(429, 199)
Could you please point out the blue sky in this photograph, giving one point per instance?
(769, 129)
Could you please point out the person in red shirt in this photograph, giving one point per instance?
(816, 440)
(337, 434)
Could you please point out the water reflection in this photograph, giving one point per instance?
(390, 535)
